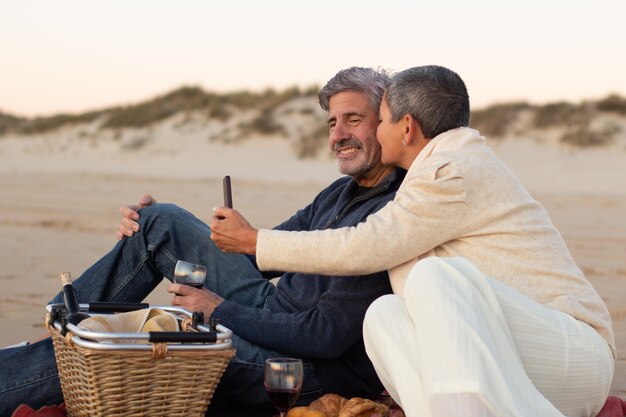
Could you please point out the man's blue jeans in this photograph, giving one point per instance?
(129, 273)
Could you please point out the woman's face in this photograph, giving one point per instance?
(389, 136)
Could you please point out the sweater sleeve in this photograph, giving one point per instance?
(429, 209)
(325, 330)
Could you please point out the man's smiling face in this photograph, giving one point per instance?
(352, 127)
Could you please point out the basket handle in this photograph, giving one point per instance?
(100, 307)
(182, 337)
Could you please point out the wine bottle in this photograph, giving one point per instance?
(74, 315)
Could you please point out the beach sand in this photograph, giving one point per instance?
(59, 220)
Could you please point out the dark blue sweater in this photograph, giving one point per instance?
(319, 318)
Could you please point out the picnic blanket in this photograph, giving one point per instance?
(614, 407)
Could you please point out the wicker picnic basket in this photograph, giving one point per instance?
(161, 375)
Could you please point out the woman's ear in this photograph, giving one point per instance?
(412, 132)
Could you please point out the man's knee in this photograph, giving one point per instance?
(165, 214)
(160, 210)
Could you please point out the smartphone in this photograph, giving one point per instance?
(228, 194)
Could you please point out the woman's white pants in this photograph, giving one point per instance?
(460, 344)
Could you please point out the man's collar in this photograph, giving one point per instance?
(386, 181)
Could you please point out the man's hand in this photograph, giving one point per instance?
(194, 299)
(231, 232)
(130, 214)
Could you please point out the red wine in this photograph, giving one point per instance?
(282, 398)
(197, 285)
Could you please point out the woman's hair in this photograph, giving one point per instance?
(365, 80)
(435, 96)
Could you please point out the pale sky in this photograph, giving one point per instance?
(77, 55)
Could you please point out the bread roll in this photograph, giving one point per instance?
(360, 407)
(313, 413)
(329, 404)
(297, 411)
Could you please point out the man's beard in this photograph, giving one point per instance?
(359, 165)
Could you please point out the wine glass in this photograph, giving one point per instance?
(189, 273)
(283, 382)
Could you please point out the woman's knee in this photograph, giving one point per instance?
(434, 277)
(382, 305)
(380, 312)
(427, 275)
(389, 334)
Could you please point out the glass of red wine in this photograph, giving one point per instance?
(283, 382)
(189, 274)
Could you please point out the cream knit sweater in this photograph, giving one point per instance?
(458, 199)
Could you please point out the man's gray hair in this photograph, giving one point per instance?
(364, 80)
(435, 96)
